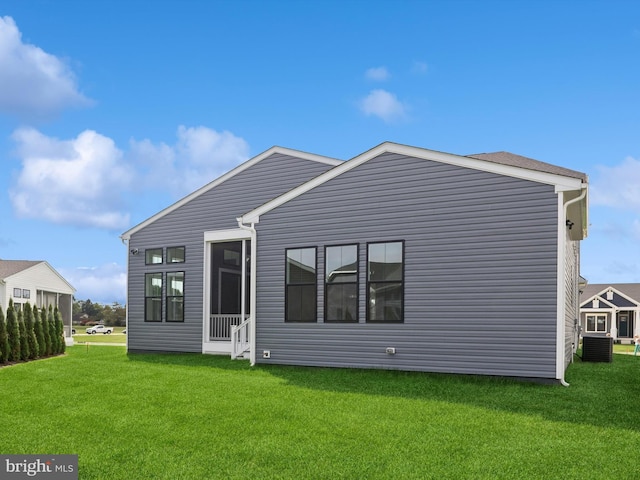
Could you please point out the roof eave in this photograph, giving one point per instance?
(126, 236)
(560, 183)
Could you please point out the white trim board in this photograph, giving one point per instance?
(560, 182)
(232, 173)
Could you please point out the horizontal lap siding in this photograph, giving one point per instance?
(571, 307)
(216, 209)
(480, 270)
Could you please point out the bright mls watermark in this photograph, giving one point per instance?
(50, 467)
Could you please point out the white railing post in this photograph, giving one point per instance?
(240, 340)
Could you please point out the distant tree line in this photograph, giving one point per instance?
(28, 333)
(85, 312)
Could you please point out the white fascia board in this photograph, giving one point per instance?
(560, 182)
(226, 235)
(232, 173)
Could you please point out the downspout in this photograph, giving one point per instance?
(579, 198)
(252, 294)
(575, 200)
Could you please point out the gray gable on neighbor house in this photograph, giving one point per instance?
(631, 290)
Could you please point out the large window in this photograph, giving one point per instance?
(175, 297)
(385, 282)
(341, 284)
(301, 295)
(153, 297)
(597, 323)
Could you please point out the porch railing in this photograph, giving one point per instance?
(240, 338)
(220, 326)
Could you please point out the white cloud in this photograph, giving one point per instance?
(199, 156)
(635, 229)
(617, 186)
(75, 181)
(384, 105)
(33, 83)
(378, 74)
(104, 284)
(420, 68)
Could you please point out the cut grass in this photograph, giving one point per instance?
(195, 417)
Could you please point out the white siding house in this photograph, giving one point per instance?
(39, 284)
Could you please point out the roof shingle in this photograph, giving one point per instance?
(11, 267)
(511, 159)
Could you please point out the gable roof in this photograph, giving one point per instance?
(11, 267)
(507, 158)
(502, 163)
(232, 173)
(627, 291)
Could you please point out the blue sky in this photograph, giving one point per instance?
(111, 111)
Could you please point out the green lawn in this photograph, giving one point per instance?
(626, 348)
(82, 338)
(197, 417)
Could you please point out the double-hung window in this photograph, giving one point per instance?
(597, 323)
(153, 297)
(341, 284)
(175, 297)
(385, 282)
(301, 285)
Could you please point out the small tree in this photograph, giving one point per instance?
(24, 337)
(55, 341)
(37, 328)
(59, 330)
(32, 341)
(4, 339)
(45, 331)
(13, 332)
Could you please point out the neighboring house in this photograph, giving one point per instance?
(37, 283)
(611, 309)
(400, 258)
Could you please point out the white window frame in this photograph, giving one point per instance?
(596, 315)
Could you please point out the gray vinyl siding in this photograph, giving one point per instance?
(571, 307)
(213, 210)
(480, 270)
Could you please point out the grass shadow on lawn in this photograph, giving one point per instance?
(189, 359)
(601, 394)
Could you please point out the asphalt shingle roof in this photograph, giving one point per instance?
(511, 159)
(11, 267)
(631, 290)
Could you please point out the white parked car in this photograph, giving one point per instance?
(99, 329)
